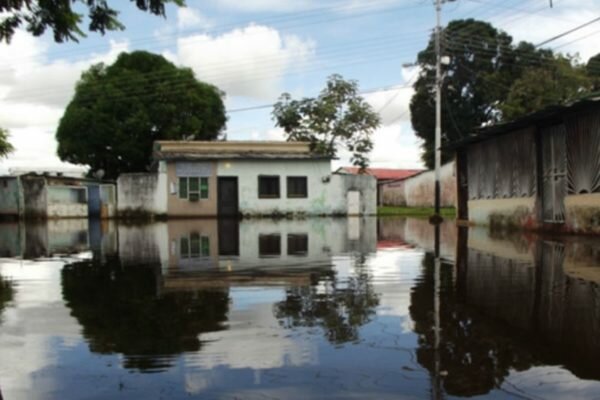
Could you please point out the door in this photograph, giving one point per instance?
(227, 196)
(353, 198)
(229, 237)
(94, 203)
(554, 169)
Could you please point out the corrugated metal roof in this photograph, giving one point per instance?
(547, 114)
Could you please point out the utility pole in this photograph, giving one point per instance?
(438, 110)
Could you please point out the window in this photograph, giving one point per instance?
(269, 245)
(297, 244)
(297, 187)
(193, 188)
(194, 246)
(268, 187)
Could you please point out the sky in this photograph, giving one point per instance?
(254, 50)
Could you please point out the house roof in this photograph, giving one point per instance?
(547, 115)
(215, 150)
(382, 173)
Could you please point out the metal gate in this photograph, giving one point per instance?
(554, 168)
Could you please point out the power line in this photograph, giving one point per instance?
(568, 32)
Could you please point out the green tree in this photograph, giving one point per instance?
(118, 111)
(593, 70)
(60, 16)
(122, 310)
(5, 147)
(485, 68)
(539, 87)
(337, 117)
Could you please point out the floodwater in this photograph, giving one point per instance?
(318, 308)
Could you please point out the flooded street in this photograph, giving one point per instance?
(315, 308)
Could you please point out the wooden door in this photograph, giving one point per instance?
(554, 170)
(228, 196)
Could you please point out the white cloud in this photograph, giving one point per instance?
(33, 94)
(245, 62)
(392, 105)
(540, 26)
(189, 18)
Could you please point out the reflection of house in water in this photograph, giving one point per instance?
(519, 301)
(229, 245)
(400, 232)
(57, 237)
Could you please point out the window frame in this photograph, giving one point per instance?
(200, 192)
(201, 242)
(297, 196)
(269, 196)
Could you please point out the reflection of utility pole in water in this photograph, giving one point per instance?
(436, 389)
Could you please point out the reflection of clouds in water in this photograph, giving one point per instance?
(254, 339)
(550, 383)
(37, 326)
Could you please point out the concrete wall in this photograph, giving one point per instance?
(34, 195)
(582, 213)
(341, 184)
(418, 191)
(393, 194)
(142, 194)
(9, 197)
(248, 171)
(66, 201)
(183, 207)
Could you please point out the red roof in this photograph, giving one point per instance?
(383, 173)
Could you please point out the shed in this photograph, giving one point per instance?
(539, 172)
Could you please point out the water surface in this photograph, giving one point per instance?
(318, 308)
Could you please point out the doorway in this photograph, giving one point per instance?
(353, 199)
(227, 197)
(554, 169)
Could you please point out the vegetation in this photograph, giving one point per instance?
(339, 311)
(65, 23)
(337, 117)
(489, 79)
(5, 147)
(122, 311)
(118, 111)
(414, 211)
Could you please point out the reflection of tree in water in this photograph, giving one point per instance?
(339, 308)
(476, 352)
(121, 311)
(7, 292)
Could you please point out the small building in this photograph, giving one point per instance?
(207, 179)
(539, 172)
(44, 196)
(384, 176)
(418, 190)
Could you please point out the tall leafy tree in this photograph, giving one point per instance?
(5, 146)
(539, 87)
(62, 18)
(593, 70)
(118, 111)
(485, 69)
(338, 117)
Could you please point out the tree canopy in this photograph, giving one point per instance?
(338, 117)
(118, 111)
(62, 18)
(5, 146)
(489, 79)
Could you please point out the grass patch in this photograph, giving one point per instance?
(414, 211)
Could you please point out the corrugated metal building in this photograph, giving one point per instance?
(540, 172)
